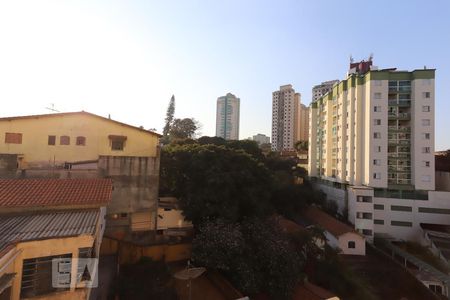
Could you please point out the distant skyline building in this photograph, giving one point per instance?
(303, 123)
(227, 117)
(323, 88)
(285, 115)
(261, 139)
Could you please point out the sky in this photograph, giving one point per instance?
(127, 58)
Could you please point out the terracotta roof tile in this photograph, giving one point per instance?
(327, 222)
(54, 192)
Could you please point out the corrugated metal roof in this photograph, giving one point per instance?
(46, 226)
(48, 191)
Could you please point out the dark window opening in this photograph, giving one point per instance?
(52, 140)
(351, 245)
(117, 145)
(13, 138)
(81, 141)
(64, 140)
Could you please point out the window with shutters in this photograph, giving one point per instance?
(13, 138)
(64, 140)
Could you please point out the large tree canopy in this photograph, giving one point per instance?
(183, 129)
(215, 181)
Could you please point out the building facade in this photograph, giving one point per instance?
(285, 118)
(321, 89)
(227, 117)
(84, 145)
(371, 147)
(261, 139)
(303, 123)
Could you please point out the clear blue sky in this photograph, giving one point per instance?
(126, 58)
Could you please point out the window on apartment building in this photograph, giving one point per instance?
(426, 108)
(377, 175)
(435, 288)
(351, 245)
(377, 108)
(426, 150)
(81, 141)
(37, 275)
(425, 136)
(426, 163)
(13, 138)
(64, 140)
(377, 95)
(366, 199)
(377, 162)
(52, 140)
(378, 206)
(426, 178)
(427, 95)
(401, 208)
(426, 122)
(367, 232)
(377, 149)
(377, 121)
(377, 135)
(378, 222)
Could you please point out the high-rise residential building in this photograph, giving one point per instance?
(285, 114)
(323, 88)
(371, 145)
(303, 123)
(227, 117)
(261, 139)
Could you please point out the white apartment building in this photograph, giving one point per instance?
(371, 148)
(285, 116)
(227, 117)
(323, 88)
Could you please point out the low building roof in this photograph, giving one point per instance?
(288, 226)
(78, 113)
(327, 222)
(54, 192)
(14, 229)
(309, 291)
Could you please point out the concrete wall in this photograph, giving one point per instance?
(442, 181)
(334, 194)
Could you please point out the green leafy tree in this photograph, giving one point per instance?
(169, 119)
(214, 181)
(301, 145)
(183, 129)
(254, 254)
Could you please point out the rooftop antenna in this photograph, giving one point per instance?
(52, 108)
(351, 59)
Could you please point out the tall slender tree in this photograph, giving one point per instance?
(169, 119)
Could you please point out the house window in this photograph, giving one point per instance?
(377, 175)
(377, 108)
(377, 135)
(52, 140)
(64, 140)
(81, 141)
(426, 108)
(37, 276)
(376, 162)
(426, 163)
(427, 95)
(425, 136)
(351, 245)
(117, 142)
(13, 138)
(377, 148)
(377, 122)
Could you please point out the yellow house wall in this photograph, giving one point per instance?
(35, 132)
(51, 247)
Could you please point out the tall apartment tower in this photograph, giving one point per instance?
(371, 144)
(285, 115)
(323, 88)
(303, 123)
(227, 117)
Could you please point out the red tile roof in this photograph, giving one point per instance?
(327, 222)
(54, 192)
